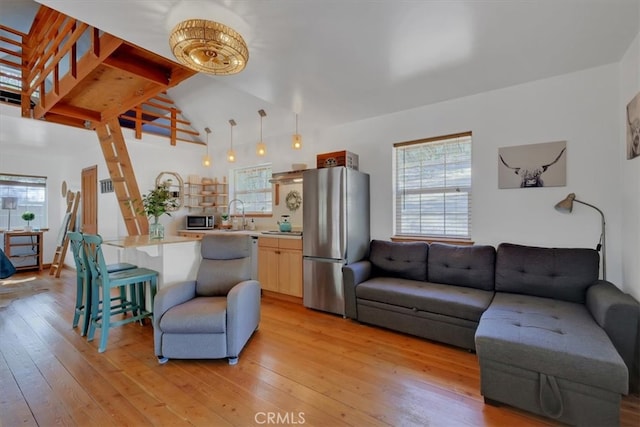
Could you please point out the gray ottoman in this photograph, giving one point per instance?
(549, 357)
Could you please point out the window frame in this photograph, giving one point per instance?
(452, 235)
(241, 194)
(11, 185)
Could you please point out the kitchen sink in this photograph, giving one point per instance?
(283, 233)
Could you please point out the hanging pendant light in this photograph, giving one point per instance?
(296, 139)
(231, 154)
(206, 159)
(209, 47)
(261, 147)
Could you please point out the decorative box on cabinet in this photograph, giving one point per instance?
(24, 249)
(280, 265)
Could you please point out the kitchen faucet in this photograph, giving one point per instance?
(241, 206)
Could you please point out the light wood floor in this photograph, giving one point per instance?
(301, 367)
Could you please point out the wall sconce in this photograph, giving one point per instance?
(566, 205)
(261, 147)
(296, 139)
(206, 160)
(231, 154)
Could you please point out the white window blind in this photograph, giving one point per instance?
(31, 194)
(251, 185)
(432, 188)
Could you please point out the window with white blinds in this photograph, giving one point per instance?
(251, 185)
(20, 193)
(432, 188)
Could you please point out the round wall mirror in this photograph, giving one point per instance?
(172, 181)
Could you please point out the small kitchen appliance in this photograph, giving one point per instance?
(199, 222)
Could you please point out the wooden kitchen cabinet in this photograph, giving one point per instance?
(280, 265)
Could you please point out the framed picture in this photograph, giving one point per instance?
(533, 165)
(633, 128)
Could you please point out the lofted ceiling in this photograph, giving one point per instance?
(338, 61)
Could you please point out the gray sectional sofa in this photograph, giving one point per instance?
(550, 337)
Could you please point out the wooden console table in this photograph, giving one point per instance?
(24, 249)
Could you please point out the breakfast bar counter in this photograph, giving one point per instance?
(175, 258)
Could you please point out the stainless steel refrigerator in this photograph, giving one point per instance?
(336, 232)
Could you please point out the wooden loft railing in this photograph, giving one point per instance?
(65, 71)
(74, 74)
(11, 83)
(159, 116)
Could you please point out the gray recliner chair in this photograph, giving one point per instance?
(213, 316)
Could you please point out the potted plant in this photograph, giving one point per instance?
(225, 220)
(28, 216)
(156, 203)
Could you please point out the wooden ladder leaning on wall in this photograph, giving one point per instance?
(125, 185)
(68, 224)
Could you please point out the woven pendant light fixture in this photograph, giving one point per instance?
(209, 47)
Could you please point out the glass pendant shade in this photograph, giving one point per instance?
(261, 147)
(206, 159)
(296, 139)
(231, 154)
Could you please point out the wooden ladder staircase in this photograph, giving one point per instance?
(68, 224)
(125, 185)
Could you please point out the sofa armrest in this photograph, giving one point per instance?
(243, 315)
(352, 275)
(166, 298)
(619, 315)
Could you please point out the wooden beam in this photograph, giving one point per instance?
(142, 70)
(75, 112)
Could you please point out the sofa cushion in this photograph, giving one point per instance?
(558, 273)
(552, 337)
(455, 301)
(470, 266)
(407, 260)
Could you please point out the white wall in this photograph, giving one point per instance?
(630, 175)
(61, 152)
(582, 108)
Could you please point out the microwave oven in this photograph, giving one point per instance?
(199, 222)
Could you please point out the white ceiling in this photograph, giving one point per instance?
(338, 61)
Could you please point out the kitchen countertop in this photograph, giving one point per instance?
(253, 233)
(139, 241)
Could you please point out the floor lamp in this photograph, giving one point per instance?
(10, 204)
(566, 205)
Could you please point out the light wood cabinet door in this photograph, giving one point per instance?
(280, 265)
(290, 272)
(268, 258)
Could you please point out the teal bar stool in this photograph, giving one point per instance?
(103, 282)
(83, 277)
